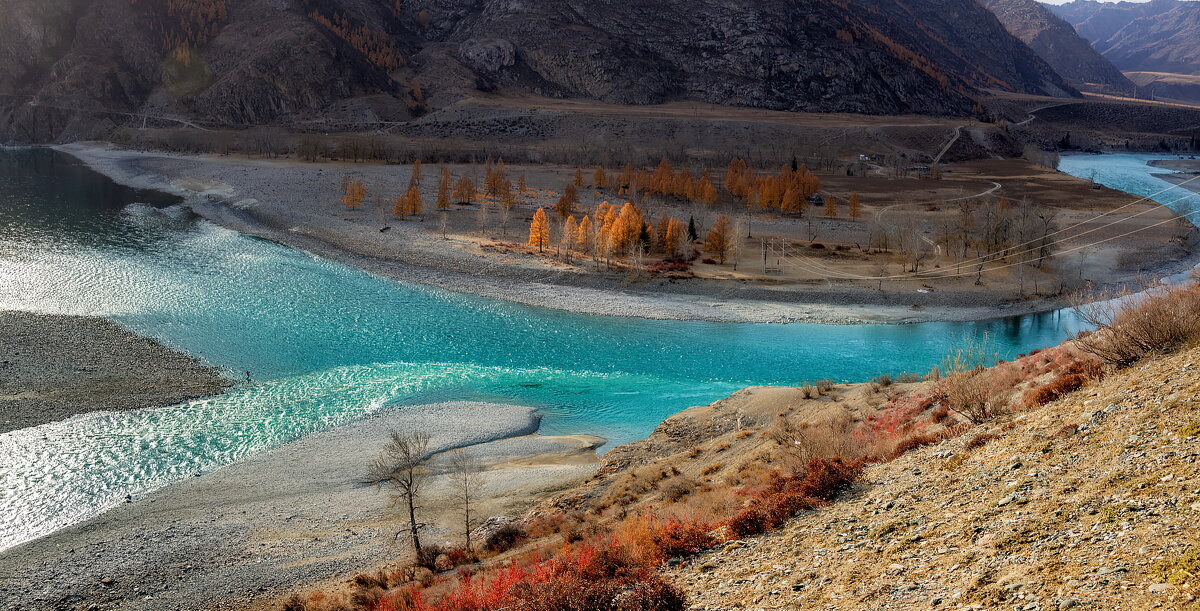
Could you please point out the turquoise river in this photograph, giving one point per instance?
(328, 343)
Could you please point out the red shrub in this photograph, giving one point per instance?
(1036, 397)
(914, 442)
(748, 522)
(677, 538)
(601, 576)
(785, 496)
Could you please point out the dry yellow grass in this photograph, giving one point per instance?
(1087, 502)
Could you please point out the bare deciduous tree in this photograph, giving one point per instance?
(466, 472)
(399, 467)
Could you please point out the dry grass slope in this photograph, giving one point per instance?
(1086, 502)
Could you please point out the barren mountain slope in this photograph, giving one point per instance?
(70, 69)
(1155, 36)
(1087, 502)
(1056, 42)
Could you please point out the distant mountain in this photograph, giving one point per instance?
(75, 68)
(1056, 42)
(1155, 36)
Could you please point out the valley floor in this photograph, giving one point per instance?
(295, 204)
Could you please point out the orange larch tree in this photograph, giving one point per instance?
(719, 239)
(583, 235)
(539, 230)
(567, 240)
(464, 190)
(566, 202)
(353, 193)
(676, 237)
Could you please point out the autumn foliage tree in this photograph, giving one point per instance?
(464, 190)
(353, 193)
(567, 240)
(566, 202)
(539, 230)
(719, 239)
(626, 230)
(830, 207)
(583, 238)
(183, 25)
(855, 207)
(410, 203)
(676, 237)
(377, 47)
(787, 191)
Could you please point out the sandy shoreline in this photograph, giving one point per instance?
(273, 200)
(53, 367)
(1186, 173)
(291, 517)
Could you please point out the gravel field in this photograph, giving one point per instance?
(298, 515)
(54, 367)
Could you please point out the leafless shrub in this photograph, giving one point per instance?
(1130, 327)
(678, 488)
(504, 538)
(801, 442)
(968, 388)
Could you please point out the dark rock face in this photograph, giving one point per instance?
(71, 68)
(1055, 41)
(1155, 36)
(869, 56)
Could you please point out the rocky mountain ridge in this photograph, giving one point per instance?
(1155, 36)
(71, 69)
(1057, 42)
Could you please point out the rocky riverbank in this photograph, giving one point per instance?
(54, 367)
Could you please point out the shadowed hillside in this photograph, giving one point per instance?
(75, 69)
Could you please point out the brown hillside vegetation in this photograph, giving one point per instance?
(1089, 501)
